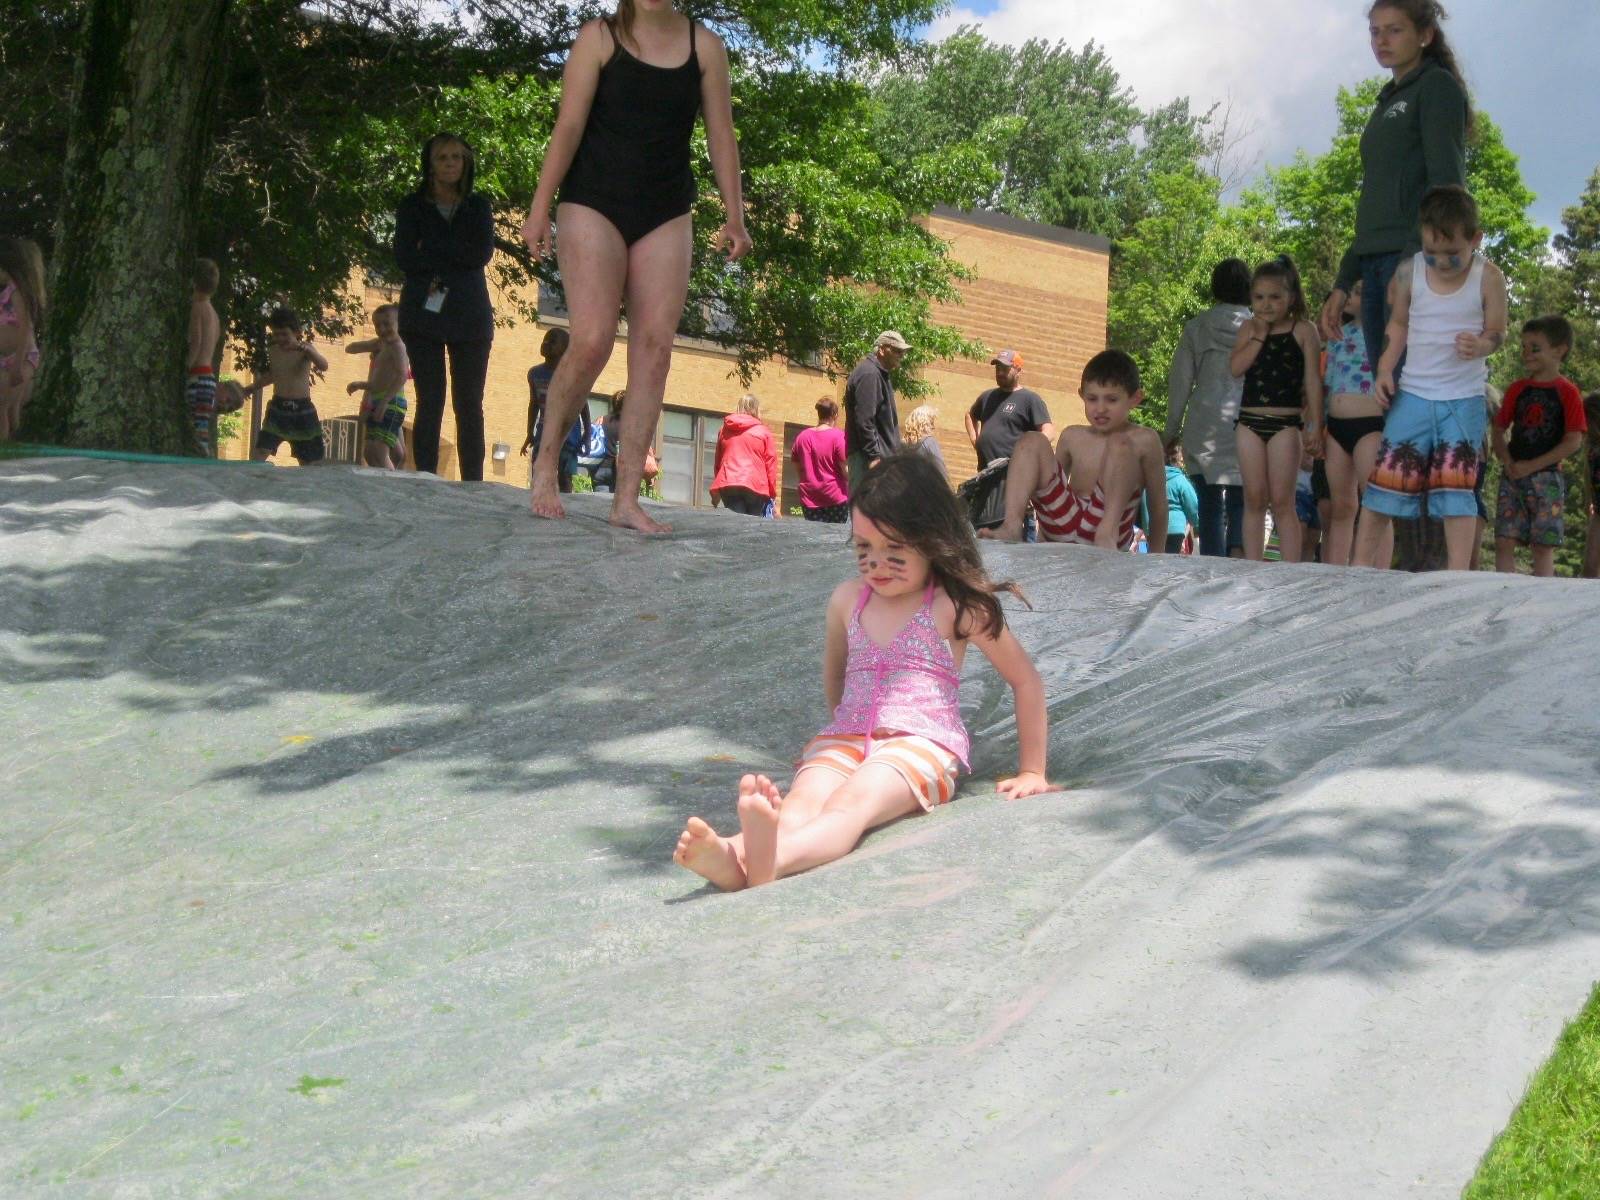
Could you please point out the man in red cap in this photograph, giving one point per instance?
(1004, 413)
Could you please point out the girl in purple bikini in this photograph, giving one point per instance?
(895, 640)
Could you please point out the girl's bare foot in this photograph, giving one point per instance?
(544, 498)
(709, 856)
(631, 516)
(759, 803)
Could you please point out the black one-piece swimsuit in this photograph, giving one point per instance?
(633, 165)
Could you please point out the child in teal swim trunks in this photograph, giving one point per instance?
(383, 408)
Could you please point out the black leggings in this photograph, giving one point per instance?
(469, 367)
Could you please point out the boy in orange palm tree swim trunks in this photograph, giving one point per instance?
(1449, 315)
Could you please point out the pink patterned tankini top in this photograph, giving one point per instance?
(909, 686)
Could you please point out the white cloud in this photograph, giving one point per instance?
(1277, 64)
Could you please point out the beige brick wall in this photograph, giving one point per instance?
(1035, 289)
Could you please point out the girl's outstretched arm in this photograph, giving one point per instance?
(1017, 669)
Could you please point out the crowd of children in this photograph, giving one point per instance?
(1335, 447)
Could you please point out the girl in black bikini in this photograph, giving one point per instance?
(1280, 416)
(633, 85)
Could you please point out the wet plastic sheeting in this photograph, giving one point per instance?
(338, 812)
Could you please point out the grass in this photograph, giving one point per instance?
(1551, 1148)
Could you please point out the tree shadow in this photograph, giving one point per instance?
(575, 675)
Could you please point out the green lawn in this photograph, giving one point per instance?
(1551, 1148)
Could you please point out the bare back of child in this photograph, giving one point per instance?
(205, 332)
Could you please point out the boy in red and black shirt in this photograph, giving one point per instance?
(1544, 412)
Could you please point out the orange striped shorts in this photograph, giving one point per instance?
(928, 767)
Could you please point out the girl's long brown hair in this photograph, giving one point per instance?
(1425, 16)
(907, 496)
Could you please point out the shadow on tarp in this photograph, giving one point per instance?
(1189, 699)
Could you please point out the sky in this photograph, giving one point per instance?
(1533, 65)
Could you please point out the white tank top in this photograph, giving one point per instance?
(1433, 370)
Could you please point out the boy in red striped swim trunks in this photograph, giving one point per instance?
(1095, 469)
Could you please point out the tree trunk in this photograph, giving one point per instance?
(144, 95)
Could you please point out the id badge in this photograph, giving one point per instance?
(435, 300)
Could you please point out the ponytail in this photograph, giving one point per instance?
(1427, 16)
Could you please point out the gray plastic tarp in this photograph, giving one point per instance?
(338, 813)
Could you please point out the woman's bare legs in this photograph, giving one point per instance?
(658, 282)
(594, 270)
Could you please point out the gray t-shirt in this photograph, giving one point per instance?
(1006, 416)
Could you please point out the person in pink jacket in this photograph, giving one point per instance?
(819, 461)
(746, 476)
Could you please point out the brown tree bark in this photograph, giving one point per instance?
(113, 371)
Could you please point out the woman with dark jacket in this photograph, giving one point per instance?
(443, 240)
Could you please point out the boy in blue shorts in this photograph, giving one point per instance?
(1544, 413)
(383, 408)
(290, 416)
(1449, 315)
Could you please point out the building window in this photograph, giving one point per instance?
(688, 454)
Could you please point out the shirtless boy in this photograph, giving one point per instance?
(205, 331)
(1098, 468)
(383, 408)
(291, 417)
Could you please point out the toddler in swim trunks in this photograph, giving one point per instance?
(1543, 412)
(383, 407)
(895, 638)
(290, 416)
(1096, 471)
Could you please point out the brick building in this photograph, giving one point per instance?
(1037, 288)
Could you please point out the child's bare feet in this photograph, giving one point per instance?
(759, 803)
(544, 497)
(1005, 532)
(631, 516)
(709, 856)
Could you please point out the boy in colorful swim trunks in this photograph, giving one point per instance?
(290, 417)
(205, 331)
(1099, 468)
(383, 408)
(1449, 315)
(1544, 413)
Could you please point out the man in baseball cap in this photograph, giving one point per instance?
(871, 425)
(1005, 412)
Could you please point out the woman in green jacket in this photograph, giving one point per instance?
(1416, 139)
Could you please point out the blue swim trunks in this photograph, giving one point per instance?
(293, 420)
(1432, 446)
(387, 429)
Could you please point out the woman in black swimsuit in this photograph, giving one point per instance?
(620, 156)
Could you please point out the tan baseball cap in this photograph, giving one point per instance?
(890, 337)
